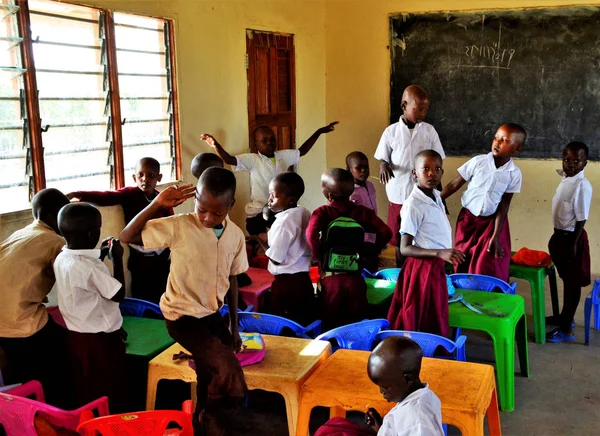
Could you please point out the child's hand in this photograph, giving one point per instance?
(175, 195)
(116, 249)
(72, 195)
(328, 128)
(452, 255)
(495, 248)
(237, 341)
(209, 139)
(385, 172)
(105, 247)
(373, 419)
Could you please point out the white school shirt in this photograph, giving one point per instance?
(287, 242)
(85, 287)
(487, 184)
(426, 221)
(572, 201)
(419, 414)
(398, 146)
(262, 170)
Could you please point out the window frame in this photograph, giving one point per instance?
(32, 102)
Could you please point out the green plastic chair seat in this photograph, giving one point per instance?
(504, 320)
(146, 337)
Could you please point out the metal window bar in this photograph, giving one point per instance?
(37, 40)
(170, 105)
(63, 17)
(131, 26)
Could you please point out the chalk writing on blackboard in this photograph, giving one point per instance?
(492, 55)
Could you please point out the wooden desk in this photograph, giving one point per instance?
(288, 363)
(467, 391)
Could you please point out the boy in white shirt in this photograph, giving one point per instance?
(397, 148)
(394, 365)
(569, 246)
(263, 165)
(289, 254)
(88, 299)
(482, 230)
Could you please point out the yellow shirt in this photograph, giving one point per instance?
(200, 263)
(26, 260)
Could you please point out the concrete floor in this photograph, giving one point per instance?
(561, 397)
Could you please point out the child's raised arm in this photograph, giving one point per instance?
(227, 158)
(451, 255)
(452, 187)
(171, 197)
(308, 144)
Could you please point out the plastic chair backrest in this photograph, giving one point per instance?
(153, 423)
(224, 310)
(17, 413)
(357, 336)
(390, 274)
(428, 342)
(138, 308)
(478, 282)
(272, 324)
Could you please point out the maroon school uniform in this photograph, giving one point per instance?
(344, 294)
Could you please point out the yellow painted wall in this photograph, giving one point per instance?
(358, 74)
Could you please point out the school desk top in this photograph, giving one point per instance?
(146, 337)
(466, 390)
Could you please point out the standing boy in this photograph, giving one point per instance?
(482, 231)
(397, 149)
(149, 268)
(207, 253)
(569, 246)
(35, 346)
(344, 291)
(263, 166)
(364, 191)
(88, 299)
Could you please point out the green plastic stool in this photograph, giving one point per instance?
(504, 320)
(536, 276)
(379, 296)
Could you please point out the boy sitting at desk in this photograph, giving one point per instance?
(394, 365)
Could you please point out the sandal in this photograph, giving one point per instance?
(557, 335)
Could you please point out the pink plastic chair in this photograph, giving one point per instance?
(153, 423)
(17, 412)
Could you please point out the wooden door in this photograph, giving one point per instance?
(271, 85)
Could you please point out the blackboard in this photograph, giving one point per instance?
(539, 68)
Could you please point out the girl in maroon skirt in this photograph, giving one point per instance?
(420, 302)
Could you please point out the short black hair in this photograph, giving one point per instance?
(576, 146)
(519, 130)
(291, 183)
(78, 218)
(203, 161)
(344, 182)
(427, 153)
(47, 202)
(355, 155)
(218, 181)
(262, 128)
(150, 161)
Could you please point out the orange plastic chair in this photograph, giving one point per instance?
(153, 423)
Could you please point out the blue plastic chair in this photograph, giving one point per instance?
(367, 274)
(479, 282)
(138, 308)
(224, 310)
(268, 324)
(429, 342)
(390, 274)
(592, 301)
(357, 336)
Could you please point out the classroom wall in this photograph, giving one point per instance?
(210, 43)
(358, 84)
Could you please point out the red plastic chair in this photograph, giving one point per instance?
(152, 423)
(17, 413)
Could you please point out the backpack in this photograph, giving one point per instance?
(343, 241)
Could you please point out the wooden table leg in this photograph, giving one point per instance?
(303, 418)
(291, 397)
(153, 379)
(493, 416)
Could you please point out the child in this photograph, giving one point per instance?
(88, 299)
(482, 230)
(207, 253)
(289, 254)
(364, 191)
(35, 346)
(397, 149)
(569, 246)
(149, 268)
(202, 161)
(263, 166)
(344, 293)
(420, 302)
(395, 365)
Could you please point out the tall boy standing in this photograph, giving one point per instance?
(399, 145)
